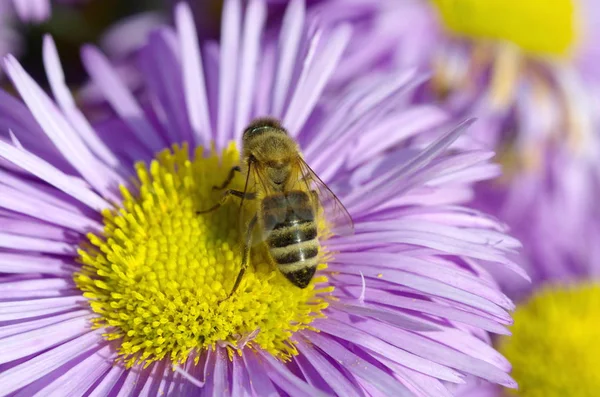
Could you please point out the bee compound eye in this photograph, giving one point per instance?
(263, 124)
(250, 131)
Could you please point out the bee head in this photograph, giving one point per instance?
(261, 125)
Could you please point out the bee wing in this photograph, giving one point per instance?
(336, 215)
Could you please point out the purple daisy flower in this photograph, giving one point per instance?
(538, 109)
(113, 285)
(526, 70)
(535, 96)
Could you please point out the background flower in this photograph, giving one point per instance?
(536, 99)
(414, 296)
(525, 69)
(72, 23)
(540, 105)
(541, 98)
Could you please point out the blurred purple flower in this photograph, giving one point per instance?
(13, 15)
(537, 110)
(32, 10)
(36, 11)
(10, 40)
(413, 298)
(535, 94)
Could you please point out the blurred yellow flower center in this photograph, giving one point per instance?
(157, 273)
(554, 349)
(537, 26)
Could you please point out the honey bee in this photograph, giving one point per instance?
(289, 196)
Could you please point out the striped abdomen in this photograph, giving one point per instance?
(291, 235)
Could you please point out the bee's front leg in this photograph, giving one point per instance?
(227, 181)
(228, 192)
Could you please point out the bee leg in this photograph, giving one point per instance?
(232, 172)
(229, 192)
(245, 255)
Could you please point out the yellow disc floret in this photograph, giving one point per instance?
(554, 349)
(159, 273)
(537, 26)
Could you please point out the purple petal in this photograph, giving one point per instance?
(30, 227)
(193, 74)
(37, 307)
(108, 382)
(336, 379)
(303, 368)
(36, 244)
(82, 376)
(59, 130)
(228, 64)
(24, 374)
(287, 52)
(422, 306)
(286, 380)
(393, 131)
(53, 176)
(418, 383)
(424, 347)
(24, 203)
(218, 385)
(157, 61)
(363, 339)
(21, 263)
(403, 320)
(357, 105)
(65, 100)
(254, 21)
(129, 384)
(471, 346)
(43, 192)
(21, 345)
(425, 157)
(37, 288)
(359, 367)
(261, 383)
(121, 100)
(21, 327)
(240, 381)
(156, 377)
(426, 267)
(428, 286)
(311, 84)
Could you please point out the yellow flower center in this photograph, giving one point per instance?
(537, 26)
(159, 273)
(554, 349)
